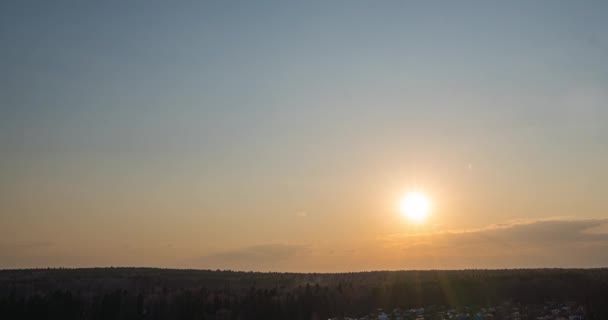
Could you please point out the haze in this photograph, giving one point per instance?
(280, 136)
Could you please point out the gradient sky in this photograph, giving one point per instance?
(279, 135)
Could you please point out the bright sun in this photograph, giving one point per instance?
(415, 206)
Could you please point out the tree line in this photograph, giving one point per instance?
(141, 293)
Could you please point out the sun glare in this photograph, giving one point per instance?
(415, 206)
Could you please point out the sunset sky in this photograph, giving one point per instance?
(282, 135)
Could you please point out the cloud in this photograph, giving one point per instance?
(545, 231)
(554, 242)
(549, 242)
(256, 257)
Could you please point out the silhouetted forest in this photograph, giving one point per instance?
(144, 293)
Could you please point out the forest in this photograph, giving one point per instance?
(148, 293)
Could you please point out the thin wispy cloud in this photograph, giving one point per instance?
(557, 242)
(553, 230)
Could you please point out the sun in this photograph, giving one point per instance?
(415, 206)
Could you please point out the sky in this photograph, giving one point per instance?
(280, 135)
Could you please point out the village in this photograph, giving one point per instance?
(504, 311)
